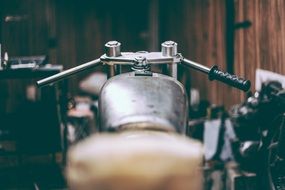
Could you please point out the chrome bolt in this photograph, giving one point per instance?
(113, 48)
(169, 48)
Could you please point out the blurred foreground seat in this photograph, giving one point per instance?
(135, 160)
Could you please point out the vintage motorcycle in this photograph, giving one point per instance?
(154, 107)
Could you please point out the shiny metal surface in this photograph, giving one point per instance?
(129, 58)
(113, 49)
(68, 73)
(155, 102)
(195, 65)
(169, 48)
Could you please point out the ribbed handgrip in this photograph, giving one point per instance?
(232, 80)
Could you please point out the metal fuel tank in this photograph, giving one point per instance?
(156, 102)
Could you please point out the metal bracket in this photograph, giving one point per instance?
(130, 58)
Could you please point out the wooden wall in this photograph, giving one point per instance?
(72, 32)
(263, 44)
(202, 30)
(199, 29)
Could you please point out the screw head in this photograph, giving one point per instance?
(112, 43)
(169, 43)
(140, 58)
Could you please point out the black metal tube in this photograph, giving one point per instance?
(67, 73)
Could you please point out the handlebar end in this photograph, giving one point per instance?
(232, 80)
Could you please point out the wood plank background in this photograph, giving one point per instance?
(263, 44)
(199, 28)
(73, 32)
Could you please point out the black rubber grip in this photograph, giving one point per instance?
(232, 80)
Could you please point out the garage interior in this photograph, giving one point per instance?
(241, 132)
